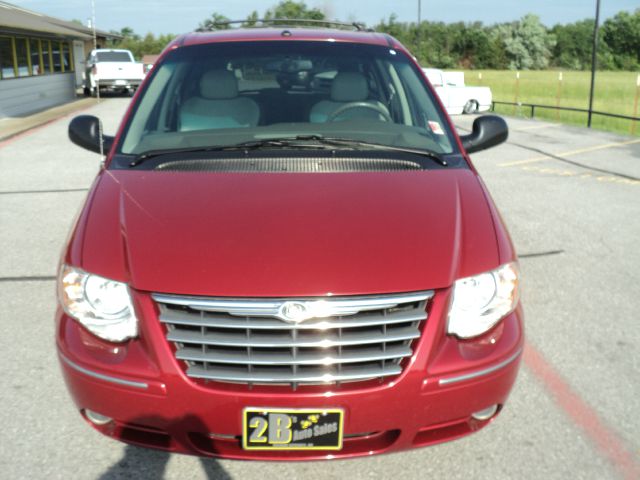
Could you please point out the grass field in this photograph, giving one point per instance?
(615, 93)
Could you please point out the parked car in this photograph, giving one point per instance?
(276, 273)
(112, 70)
(455, 95)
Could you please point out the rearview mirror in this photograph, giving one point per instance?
(488, 131)
(84, 131)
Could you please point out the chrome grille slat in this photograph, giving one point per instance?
(371, 354)
(256, 341)
(184, 318)
(269, 308)
(230, 374)
(285, 339)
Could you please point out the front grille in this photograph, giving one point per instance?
(295, 341)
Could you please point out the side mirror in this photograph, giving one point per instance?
(84, 131)
(488, 131)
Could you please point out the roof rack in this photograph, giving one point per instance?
(284, 22)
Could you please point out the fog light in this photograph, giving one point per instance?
(485, 414)
(96, 418)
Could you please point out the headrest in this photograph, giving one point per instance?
(218, 85)
(349, 87)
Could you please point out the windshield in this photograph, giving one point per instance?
(230, 93)
(113, 57)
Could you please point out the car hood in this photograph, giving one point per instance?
(288, 234)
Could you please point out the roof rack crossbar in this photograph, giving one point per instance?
(282, 22)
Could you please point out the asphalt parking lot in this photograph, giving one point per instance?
(571, 199)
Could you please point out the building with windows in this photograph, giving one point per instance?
(41, 59)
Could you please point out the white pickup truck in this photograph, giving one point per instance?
(112, 70)
(456, 97)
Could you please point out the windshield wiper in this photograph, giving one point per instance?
(291, 142)
(348, 142)
(285, 142)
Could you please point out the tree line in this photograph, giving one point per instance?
(523, 44)
(519, 45)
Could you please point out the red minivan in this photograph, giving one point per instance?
(288, 255)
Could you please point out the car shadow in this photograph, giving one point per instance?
(140, 462)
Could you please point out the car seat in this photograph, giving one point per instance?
(347, 87)
(218, 104)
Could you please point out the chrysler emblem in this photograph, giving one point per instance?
(294, 312)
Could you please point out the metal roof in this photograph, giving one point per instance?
(14, 17)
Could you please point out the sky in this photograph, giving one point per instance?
(171, 16)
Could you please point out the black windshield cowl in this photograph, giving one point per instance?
(276, 143)
(347, 142)
(297, 142)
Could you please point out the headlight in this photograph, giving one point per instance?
(481, 301)
(103, 306)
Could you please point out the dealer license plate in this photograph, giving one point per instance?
(300, 429)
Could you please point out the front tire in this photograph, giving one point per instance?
(470, 107)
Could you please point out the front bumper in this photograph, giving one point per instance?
(143, 388)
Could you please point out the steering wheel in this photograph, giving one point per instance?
(351, 105)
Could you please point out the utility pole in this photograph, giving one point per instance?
(594, 62)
